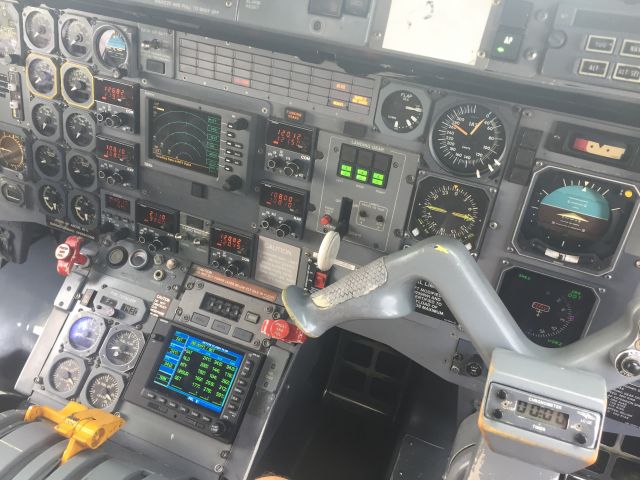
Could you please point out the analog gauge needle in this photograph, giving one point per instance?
(473, 132)
(463, 216)
(461, 130)
(436, 209)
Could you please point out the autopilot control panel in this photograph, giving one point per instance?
(205, 151)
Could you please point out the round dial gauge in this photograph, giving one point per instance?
(469, 139)
(85, 333)
(51, 200)
(75, 36)
(84, 210)
(77, 85)
(122, 348)
(39, 28)
(45, 119)
(575, 218)
(42, 76)
(12, 152)
(9, 35)
(450, 209)
(65, 375)
(103, 391)
(48, 161)
(402, 111)
(80, 129)
(82, 171)
(112, 47)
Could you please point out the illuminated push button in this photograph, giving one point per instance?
(325, 220)
(362, 175)
(507, 44)
(346, 171)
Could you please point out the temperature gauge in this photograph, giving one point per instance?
(40, 29)
(83, 210)
(48, 160)
(51, 199)
(46, 120)
(75, 37)
(42, 76)
(80, 129)
(77, 85)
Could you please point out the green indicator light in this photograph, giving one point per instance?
(345, 174)
(362, 171)
(378, 176)
(378, 182)
(347, 168)
(501, 49)
(361, 178)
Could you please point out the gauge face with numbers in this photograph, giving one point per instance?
(402, 111)
(103, 391)
(66, 375)
(450, 209)
(469, 139)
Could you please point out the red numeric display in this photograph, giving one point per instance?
(231, 242)
(283, 200)
(289, 137)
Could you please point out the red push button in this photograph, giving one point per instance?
(320, 280)
(283, 330)
(325, 220)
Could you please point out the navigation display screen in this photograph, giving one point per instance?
(197, 370)
(186, 138)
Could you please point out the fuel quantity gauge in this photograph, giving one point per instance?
(451, 209)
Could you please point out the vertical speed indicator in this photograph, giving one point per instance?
(469, 139)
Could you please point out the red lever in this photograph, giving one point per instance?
(283, 330)
(68, 254)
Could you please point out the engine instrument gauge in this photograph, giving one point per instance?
(121, 348)
(443, 207)
(85, 333)
(51, 199)
(42, 76)
(112, 47)
(84, 210)
(65, 375)
(576, 219)
(75, 37)
(12, 155)
(80, 129)
(46, 120)
(77, 85)
(40, 29)
(82, 170)
(402, 111)
(469, 139)
(48, 160)
(551, 312)
(103, 390)
(9, 31)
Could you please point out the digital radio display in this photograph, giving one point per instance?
(119, 204)
(198, 371)
(114, 151)
(282, 200)
(289, 137)
(157, 218)
(115, 93)
(232, 242)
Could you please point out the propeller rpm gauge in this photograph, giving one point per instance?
(402, 111)
(121, 348)
(469, 139)
(450, 209)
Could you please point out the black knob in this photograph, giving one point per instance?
(283, 230)
(291, 169)
(158, 244)
(268, 223)
(632, 366)
(107, 227)
(234, 182)
(502, 395)
(116, 120)
(120, 234)
(240, 124)
(274, 162)
(144, 238)
(116, 179)
(218, 262)
(233, 269)
(580, 438)
(497, 414)
(218, 428)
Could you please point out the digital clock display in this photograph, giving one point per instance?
(282, 200)
(289, 137)
(542, 414)
(115, 93)
(114, 151)
(232, 242)
(159, 218)
(119, 204)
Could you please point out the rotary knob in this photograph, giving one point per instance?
(628, 363)
(268, 223)
(291, 169)
(233, 269)
(284, 229)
